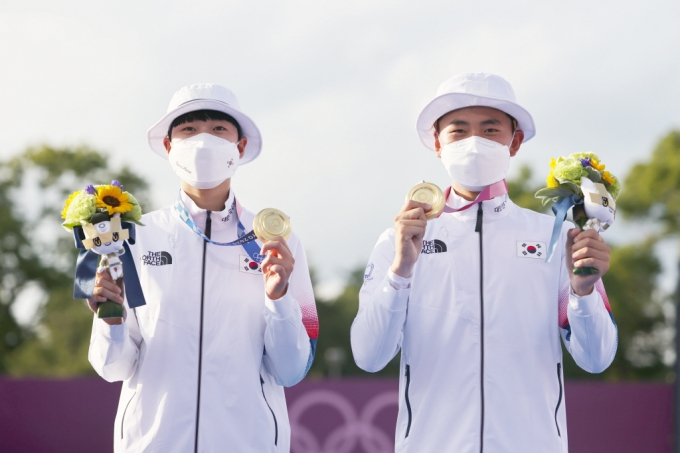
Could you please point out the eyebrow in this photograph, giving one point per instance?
(459, 123)
(490, 121)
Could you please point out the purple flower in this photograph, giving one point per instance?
(116, 183)
(586, 162)
(90, 189)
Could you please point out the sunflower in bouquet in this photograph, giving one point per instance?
(101, 218)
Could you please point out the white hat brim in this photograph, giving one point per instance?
(159, 131)
(448, 102)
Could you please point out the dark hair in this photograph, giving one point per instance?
(204, 115)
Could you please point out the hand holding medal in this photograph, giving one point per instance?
(428, 193)
(273, 228)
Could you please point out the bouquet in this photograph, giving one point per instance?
(580, 181)
(102, 219)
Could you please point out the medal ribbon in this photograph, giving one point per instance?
(560, 209)
(494, 190)
(246, 240)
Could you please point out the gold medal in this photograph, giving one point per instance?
(270, 223)
(426, 192)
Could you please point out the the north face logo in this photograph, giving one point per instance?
(157, 259)
(434, 246)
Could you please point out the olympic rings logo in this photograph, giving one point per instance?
(356, 428)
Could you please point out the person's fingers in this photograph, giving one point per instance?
(283, 242)
(100, 292)
(590, 247)
(587, 251)
(92, 303)
(600, 265)
(103, 274)
(412, 214)
(411, 204)
(588, 234)
(277, 248)
(580, 260)
(107, 284)
(275, 264)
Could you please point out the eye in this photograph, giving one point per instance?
(115, 237)
(219, 128)
(97, 241)
(189, 129)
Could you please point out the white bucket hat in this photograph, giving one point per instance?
(206, 96)
(469, 90)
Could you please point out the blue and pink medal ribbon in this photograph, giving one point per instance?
(246, 240)
(494, 190)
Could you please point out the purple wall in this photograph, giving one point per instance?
(351, 415)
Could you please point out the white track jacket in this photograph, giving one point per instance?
(210, 385)
(479, 332)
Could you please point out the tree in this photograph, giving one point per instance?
(335, 320)
(631, 282)
(36, 252)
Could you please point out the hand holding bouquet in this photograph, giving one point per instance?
(580, 181)
(101, 219)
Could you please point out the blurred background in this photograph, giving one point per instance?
(335, 89)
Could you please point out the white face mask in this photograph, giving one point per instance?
(475, 162)
(204, 161)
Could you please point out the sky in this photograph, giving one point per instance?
(335, 88)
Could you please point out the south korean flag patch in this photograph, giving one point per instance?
(249, 266)
(529, 249)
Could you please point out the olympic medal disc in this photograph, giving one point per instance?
(429, 193)
(270, 223)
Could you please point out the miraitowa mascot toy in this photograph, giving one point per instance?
(102, 219)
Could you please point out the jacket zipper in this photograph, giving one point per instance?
(276, 425)
(208, 224)
(122, 419)
(559, 400)
(478, 229)
(408, 403)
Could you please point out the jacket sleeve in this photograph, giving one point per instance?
(292, 326)
(114, 350)
(587, 325)
(377, 330)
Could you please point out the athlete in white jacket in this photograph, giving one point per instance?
(469, 299)
(204, 361)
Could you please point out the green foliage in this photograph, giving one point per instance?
(631, 288)
(521, 190)
(335, 319)
(59, 347)
(35, 250)
(652, 189)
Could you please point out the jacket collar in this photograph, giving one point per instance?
(222, 220)
(494, 208)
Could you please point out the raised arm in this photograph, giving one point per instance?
(114, 344)
(586, 321)
(290, 312)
